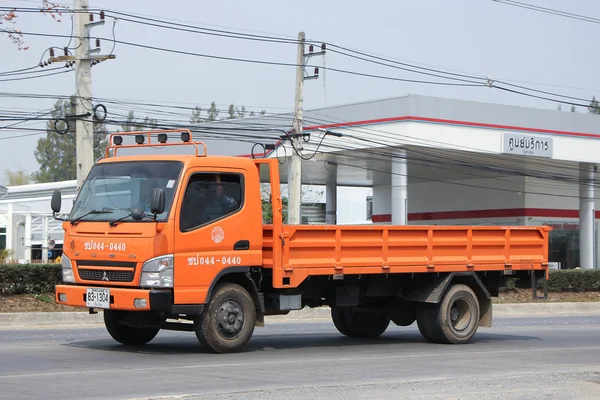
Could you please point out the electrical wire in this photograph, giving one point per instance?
(362, 154)
(33, 72)
(264, 62)
(549, 11)
(487, 167)
(34, 77)
(155, 21)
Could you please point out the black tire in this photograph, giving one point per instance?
(426, 314)
(361, 324)
(405, 315)
(227, 323)
(369, 324)
(127, 335)
(454, 320)
(340, 315)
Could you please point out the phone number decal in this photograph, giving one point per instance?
(112, 246)
(211, 260)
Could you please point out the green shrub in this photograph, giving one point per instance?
(29, 278)
(574, 280)
(564, 280)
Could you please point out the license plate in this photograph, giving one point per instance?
(97, 298)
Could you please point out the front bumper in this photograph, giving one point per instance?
(120, 298)
(126, 299)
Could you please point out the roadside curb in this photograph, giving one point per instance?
(40, 319)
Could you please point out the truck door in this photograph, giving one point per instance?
(213, 231)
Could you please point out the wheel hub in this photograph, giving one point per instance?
(454, 314)
(460, 315)
(230, 319)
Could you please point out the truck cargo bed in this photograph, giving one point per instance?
(304, 250)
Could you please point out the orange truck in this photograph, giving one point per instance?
(179, 242)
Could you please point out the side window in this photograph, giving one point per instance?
(209, 197)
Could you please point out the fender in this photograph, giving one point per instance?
(433, 290)
(241, 275)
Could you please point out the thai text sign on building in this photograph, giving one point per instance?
(526, 145)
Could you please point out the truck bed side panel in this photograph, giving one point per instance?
(330, 250)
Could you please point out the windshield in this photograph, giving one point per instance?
(112, 190)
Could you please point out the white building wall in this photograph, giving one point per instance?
(542, 193)
(352, 207)
(351, 202)
(503, 221)
(466, 195)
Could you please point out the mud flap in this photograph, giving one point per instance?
(485, 312)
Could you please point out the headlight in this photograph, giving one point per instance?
(158, 272)
(67, 270)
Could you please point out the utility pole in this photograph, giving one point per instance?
(84, 125)
(83, 59)
(295, 166)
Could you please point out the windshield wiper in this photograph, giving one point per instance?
(74, 221)
(138, 216)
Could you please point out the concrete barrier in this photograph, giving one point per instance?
(41, 319)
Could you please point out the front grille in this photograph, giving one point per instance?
(106, 275)
(105, 263)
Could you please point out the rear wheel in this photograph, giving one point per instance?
(124, 334)
(364, 324)
(227, 323)
(404, 313)
(454, 320)
(426, 319)
(339, 315)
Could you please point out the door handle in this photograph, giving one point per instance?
(241, 245)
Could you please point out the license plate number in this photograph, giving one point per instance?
(97, 298)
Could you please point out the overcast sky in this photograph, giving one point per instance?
(480, 37)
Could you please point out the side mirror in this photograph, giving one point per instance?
(157, 203)
(56, 201)
(137, 214)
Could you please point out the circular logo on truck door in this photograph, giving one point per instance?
(217, 234)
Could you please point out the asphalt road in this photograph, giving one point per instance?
(519, 358)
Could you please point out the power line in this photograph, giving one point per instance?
(274, 63)
(185, 124)
(484, 165)
(34, 77)
(264, 62)
(32, 72)
(549, 11)
(368, 155)
(280, 39)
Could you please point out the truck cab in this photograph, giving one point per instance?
(135, 217)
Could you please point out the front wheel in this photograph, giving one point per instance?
(124, 334)
(227, 323)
